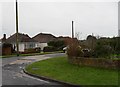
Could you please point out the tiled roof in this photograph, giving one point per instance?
(21, 38)
(44, 38)
(2, 40)
(63, 38)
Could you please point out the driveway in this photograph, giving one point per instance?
(12, 70)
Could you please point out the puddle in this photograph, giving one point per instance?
(13, 67)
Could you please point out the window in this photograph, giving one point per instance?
(32, 45)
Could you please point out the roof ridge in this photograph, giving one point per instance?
(22, 38)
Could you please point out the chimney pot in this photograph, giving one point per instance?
(4, 36)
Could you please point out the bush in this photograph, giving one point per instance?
(48, 49)
(115, 43)
(87, 53)
(38, 49)
(74, 50)
(8, 45)
(6, 49)
(57, 45)
(102, 51)
(5, 45)
(33, 50)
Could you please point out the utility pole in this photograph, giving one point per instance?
(72, 29)
(17, 43)
(118, 27)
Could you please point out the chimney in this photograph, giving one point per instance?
(4, 36)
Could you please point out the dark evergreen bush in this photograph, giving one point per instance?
(102, 50)
(4, 45)
(48, 49)
(57, 45)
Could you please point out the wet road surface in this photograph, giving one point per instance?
(12, 70)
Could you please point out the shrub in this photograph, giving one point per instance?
(7, 49)
(114, 43)
(4, 45)
(48, 49)
(74, 49)
(102, 50)
(33, 50)
(87, 53)
(58, 44)
(38, 49)
(30, 50)
(117, 45)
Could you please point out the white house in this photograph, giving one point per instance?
(25, 42)
(43, 39)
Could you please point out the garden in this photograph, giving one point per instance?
(7, 50)
(95, 65)
(60, 69)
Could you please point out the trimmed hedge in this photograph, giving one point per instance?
(95, 62)
(32, 50)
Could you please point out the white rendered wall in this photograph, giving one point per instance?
(42, 45)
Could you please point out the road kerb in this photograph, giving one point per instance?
(51, 80)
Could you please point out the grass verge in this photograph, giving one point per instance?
(59, 69)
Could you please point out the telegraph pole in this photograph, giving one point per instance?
(119, 19)
(17, 43)
(72, 29)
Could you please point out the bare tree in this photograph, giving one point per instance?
(78, 35)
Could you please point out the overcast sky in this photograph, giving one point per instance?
(100, 18)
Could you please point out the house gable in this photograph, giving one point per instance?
(44, 38)
(25, 42)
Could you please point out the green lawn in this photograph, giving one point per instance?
(60, 69)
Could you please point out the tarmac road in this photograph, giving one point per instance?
(12, 71)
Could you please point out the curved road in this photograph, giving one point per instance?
(12, 70)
